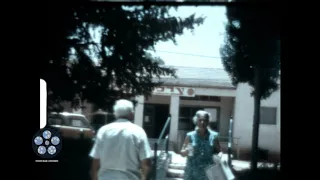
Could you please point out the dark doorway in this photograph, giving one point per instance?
(148, 120)
(161, 116)
(156, 115)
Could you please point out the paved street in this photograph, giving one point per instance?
(176, 166)
(239, 165)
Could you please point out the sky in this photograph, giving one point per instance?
(203, 45)
(198, 49)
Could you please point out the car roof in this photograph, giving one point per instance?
(67, 114)
(101, 112)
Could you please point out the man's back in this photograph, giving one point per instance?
(120, 147)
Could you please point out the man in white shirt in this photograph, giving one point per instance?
(121, 148)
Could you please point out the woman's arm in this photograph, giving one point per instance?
(184, 150)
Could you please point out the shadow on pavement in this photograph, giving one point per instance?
(260, 174)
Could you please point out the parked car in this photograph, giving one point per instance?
(101, 118)
(78, 138)
(71, 126)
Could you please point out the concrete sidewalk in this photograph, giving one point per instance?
(239, 165)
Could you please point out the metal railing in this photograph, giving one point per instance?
(224, 140)
(156, 145)
(230, 142)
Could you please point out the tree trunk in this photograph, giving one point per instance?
(256, 120)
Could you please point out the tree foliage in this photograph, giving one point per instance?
(113, 60)
(251, 54)
(253, 40)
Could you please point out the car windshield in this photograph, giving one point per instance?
(78, 121)
(55, 120)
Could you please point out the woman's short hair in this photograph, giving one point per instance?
(201, 114)
(123, 108)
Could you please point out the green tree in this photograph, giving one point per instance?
(114, 61)
(251, 55)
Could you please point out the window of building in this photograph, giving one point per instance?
(202, 98)
(187, 98)
(185, 112)
(268, 115)
(215, 98)
(186, 116)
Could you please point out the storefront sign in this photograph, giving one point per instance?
(181, 91)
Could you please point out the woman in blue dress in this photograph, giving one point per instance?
(199, 146)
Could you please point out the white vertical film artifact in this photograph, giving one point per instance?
(43, 103)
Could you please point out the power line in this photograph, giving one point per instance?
(189, 54)
(263, 68)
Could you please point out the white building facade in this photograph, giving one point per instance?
(211, 90)
(270, 122)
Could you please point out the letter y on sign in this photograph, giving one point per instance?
(43, 103)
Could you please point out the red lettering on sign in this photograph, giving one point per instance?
(180, 90)
(173, 90)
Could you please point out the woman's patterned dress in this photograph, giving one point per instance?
(202, 155)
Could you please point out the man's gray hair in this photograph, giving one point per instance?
(123, 108)
(201, 114)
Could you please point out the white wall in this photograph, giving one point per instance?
(269, 135)
(226, 110)
(230, 92)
